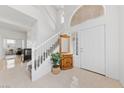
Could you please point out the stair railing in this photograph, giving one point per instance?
(43, 51)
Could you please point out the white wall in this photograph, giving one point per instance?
(112, 27)
(110, 20)
(43, 30)
(44, 27)
(1, 46)
(69, 10)
(121, 48)
(7, 33)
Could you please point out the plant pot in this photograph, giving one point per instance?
(56, 70)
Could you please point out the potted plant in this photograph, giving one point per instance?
(55, 57)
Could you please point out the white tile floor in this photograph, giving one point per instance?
(10, 61)
(18, 77)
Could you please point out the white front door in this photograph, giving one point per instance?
(92, 49)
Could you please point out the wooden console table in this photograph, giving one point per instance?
(66, 61)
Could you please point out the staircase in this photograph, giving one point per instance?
(41, 63)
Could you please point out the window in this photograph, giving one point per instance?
(10, 41)
(87, 12)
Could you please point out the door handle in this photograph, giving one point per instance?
(82, 49)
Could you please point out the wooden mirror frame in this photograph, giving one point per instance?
(65, 36)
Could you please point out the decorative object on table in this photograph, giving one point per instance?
(55, 57)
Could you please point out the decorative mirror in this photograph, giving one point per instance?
(64, 43)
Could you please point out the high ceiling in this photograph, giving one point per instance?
(12, 19)
(58, 7)
(15, 20)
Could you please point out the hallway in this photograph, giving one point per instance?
(86, 36)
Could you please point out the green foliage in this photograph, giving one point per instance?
(55, 57)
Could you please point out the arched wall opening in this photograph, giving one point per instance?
(86, 12)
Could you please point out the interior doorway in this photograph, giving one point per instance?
(92, 49)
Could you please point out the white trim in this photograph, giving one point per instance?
(90, 23)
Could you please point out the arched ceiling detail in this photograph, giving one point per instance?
(86, 12)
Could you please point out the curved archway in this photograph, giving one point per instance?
(85, 13)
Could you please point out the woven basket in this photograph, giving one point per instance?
(56, 70)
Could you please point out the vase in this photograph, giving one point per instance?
(56, 70)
